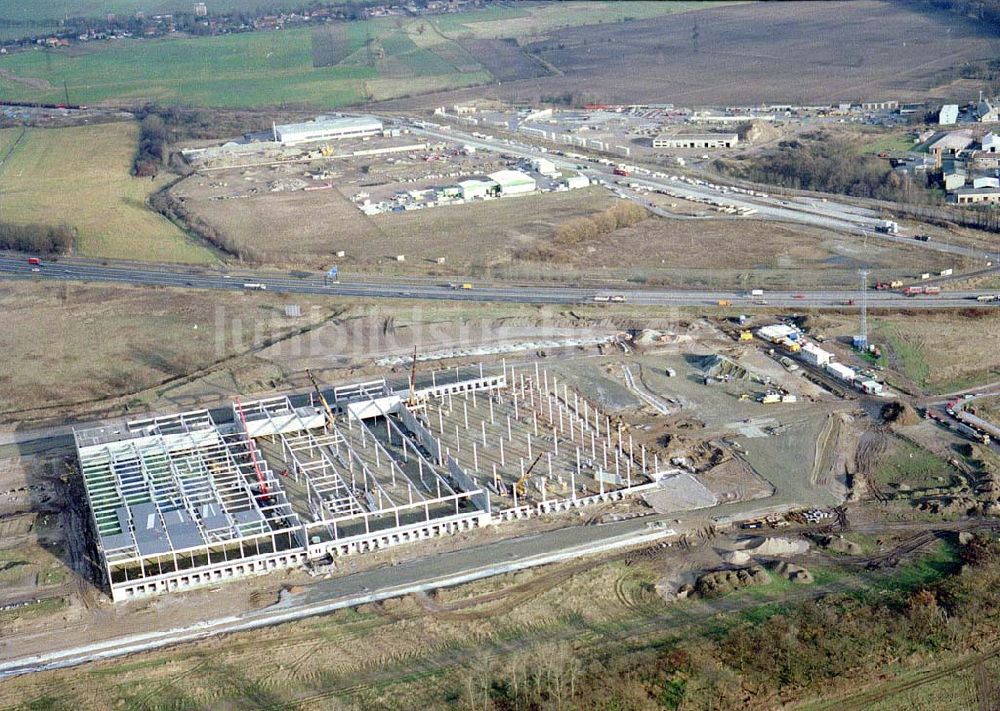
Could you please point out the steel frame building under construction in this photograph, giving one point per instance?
(183, 500)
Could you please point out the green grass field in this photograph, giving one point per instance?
(21, 18)
(43, 10)
(386, 57)
(80, 177)
(893, 142)
(913, 466)
(251, 69)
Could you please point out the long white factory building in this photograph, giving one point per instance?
(325, 128)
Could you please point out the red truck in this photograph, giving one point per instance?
(620, 171)
(916, 290)
(34, 261)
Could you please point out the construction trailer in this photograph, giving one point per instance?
(189, 500)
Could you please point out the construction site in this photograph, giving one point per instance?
(187, 500)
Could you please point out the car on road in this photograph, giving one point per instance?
(798, 296)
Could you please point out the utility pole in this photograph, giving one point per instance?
(863, 335)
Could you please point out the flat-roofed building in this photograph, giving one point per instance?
(976, 196)
(325, 128)
(696, 140)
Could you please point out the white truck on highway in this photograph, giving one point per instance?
(254, 286)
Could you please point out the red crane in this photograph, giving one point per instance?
(252, 448)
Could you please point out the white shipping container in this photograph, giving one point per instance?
(838, 370)
(815, 355)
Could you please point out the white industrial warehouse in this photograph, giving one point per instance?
(513, 182)
(325, 128)
(696, 140)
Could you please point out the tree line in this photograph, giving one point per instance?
(39, 239)
(826, 163)
(582, 229)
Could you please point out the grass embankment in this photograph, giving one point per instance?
(80, 177)
(942, 352)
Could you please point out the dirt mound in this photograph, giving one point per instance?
(795, 573)
(839, 544)
(776, 546)
(722, 582)
(899, 413)
(758, 132)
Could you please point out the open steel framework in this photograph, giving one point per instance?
(183, 500)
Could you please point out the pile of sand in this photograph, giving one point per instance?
(776, 546)
(736, 557)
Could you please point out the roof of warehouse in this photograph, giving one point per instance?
(332, 123)
(512, 177)
(696, 136)
(952, 142)
(476, 182)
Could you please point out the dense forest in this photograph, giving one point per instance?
(826, 163)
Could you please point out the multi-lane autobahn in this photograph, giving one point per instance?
(312, 283)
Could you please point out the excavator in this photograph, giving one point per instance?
(519, 485)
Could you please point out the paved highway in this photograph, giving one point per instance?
(155, 276)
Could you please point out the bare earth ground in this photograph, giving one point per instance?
(787, 52)
(93, 351)
(722, 252)
(514, 237)
(68, 343)
(304, 228)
